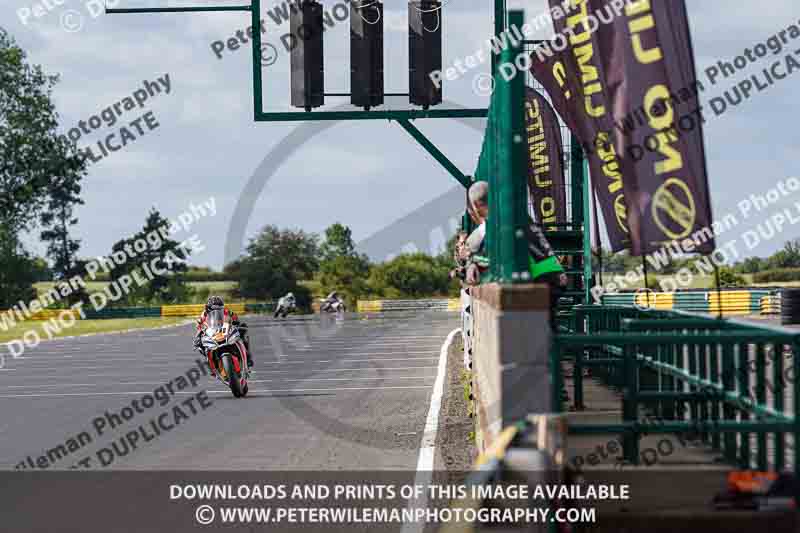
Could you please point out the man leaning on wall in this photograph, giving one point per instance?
(544, 266)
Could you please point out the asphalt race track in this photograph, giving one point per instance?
(326, 394)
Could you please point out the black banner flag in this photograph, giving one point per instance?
(546, 160)
(653, 90)
(574, 78)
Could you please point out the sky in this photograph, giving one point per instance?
(365, 174)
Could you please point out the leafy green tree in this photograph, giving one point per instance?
(62, 248)
(17, 272)
(412, 275)
(35, 163)
(751, 265)
(163, 253)
(346, 274)
(338, 242)
(274, 262)
(729, 278)
(342, 268)
(789, 257)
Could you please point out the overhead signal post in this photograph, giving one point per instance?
(504, 152)
(367, 89)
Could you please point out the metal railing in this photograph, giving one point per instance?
(729, 382)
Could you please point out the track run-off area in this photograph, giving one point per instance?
(326, 393)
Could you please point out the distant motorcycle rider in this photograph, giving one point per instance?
(213, 303)
(331, 301)
(288, 301)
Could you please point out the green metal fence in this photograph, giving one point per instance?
(728, 382)
(502, 163)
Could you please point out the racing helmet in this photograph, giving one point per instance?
(214, 302)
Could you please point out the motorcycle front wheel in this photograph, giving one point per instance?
(234, 377)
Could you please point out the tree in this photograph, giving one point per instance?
(164, 254)
(728, 278)
(789, 257)
(346, 274)
(412, 275)
(57, 220)
(35, 162)
(274, 261)
(751, 265)
(17, 272)
(342, 268)
(338, 242)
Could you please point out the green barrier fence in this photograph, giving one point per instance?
(729, 382)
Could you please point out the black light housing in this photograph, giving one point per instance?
(307, 76)
(424, 52)
(366, 53)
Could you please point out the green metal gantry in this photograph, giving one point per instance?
(503, 158)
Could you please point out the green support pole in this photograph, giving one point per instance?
(255, 21)
(499, 26)
(507, 187)
(435, 152)
(587, 234)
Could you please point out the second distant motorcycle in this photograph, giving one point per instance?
(286, 305)
(332, 304)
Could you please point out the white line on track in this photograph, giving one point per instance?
(150, 357)
(135, 393)
(309, 378)
(258, 372)
(305, 362)
(428, 445)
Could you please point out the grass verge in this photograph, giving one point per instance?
(82, 327)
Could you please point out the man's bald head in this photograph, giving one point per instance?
(479, 198)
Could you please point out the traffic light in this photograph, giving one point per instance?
(366, 53)
(424, 52)
(305, 30)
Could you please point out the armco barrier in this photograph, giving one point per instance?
(727, 302)
(90, 313)
(122, 312)
(441, 304)
(369, 306)
(771, 304)
(195, 309)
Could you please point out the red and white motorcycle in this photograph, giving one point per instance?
(222, 343)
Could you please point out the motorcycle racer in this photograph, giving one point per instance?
(216, 303)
